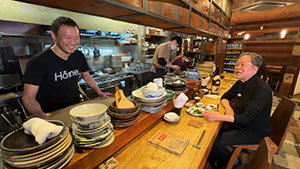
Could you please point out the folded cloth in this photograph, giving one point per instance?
(41, 129)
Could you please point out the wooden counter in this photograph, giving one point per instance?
(131, 147)
(141, 154)
(89, 158)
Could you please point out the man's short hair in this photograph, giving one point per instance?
(178, 40)
(62, 21)
(256, 59)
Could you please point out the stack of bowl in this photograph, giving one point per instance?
(20, 150)
(123, 117)
(91, 125)
(150, 100)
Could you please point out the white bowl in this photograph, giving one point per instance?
(88, 125)
(153, 93)
(91, 112)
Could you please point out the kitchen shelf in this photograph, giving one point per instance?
(233, 53)
(217, 6)
(229, 64)
(228, 69)
(234, 48)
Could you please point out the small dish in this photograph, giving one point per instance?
(171, 117)
(195, 111)
(211, 106)
(200, 104)
(189, 104)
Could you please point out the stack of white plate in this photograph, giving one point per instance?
(101, 136)
(20, 150)
(149, 104)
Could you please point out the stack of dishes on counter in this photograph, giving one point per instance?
(20, 150)
(123, 117)
(151, 97)
(91, 125)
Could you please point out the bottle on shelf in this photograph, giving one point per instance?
(216, 81)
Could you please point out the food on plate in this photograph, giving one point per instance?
(152, 86)
(178, 82)
(197, 111)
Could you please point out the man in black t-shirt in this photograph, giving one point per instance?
(51, 77)
(248, 122)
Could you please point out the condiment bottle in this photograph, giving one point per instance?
(215, 86)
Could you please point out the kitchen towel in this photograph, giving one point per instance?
(41, 129)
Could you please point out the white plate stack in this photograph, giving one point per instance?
(101, 136)
(149, 104)
(91, 125)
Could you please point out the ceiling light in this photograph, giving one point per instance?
(247, 36)
(283, 33)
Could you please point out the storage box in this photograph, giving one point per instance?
(137, 3)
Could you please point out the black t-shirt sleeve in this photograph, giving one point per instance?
(84, 67)
(33, 72)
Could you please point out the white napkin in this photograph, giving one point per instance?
(41, 129)
(180, 100)
(212, 96)
(204, 81)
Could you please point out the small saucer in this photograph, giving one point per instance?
(211, 106)
(189, 104)
(171, 117)
(200, 104)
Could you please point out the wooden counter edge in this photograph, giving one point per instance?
(91, 158)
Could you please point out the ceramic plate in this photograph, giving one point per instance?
(41, 154)
(105, 122)
(99, 143)
(211, 106)
(64, 136)
(43, 160)
(195, 111)
(111, 140)
(189, 104)
(200, 104)
(171, 117)
(19, 143)
(138, 93)
(95, 139)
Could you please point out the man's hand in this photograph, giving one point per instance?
(210, 116)
(176, 67)
(106, 95)
(213, 116)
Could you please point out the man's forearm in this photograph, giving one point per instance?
(226, 118)
(92, 83)
(228, 109)
(34, 108)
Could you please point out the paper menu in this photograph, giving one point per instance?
(180, 100)
(169, 141)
